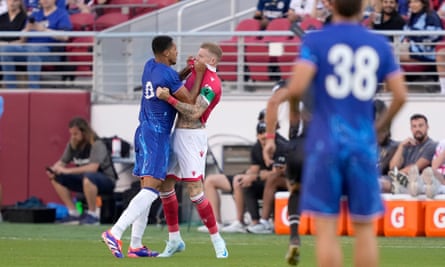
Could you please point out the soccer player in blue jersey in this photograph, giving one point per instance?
(342, 65)
(152, 143)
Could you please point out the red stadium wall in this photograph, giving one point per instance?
(33, 134)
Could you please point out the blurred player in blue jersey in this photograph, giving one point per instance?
(152, 143)
(342, 65)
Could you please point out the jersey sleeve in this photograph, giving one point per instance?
(307, 50)
(389, 65)
(173, 81)
(98, 152)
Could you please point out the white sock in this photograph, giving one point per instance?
(442, 85)
(215, 236)
(138, 229)
(73, 213)
(174, 235)
(92, 213)
(138, 205)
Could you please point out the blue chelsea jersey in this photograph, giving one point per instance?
(153, 110)
(350, 62)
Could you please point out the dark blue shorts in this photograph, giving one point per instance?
(74, 182)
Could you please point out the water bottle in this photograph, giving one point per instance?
(116, 147)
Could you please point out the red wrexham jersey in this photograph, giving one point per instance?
(212, 82)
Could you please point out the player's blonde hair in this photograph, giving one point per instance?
(214, 49)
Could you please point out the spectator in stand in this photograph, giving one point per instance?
(417, 151)
(49, 19)
(13, 20)
(298, 9)
(268, 10)
(432, 180)
(386, 16)
(420, 48)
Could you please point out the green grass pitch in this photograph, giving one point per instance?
(65, 246)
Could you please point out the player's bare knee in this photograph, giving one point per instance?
(194, 188)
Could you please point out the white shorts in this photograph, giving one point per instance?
(188, 156)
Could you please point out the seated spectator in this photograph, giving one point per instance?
(417, 150)
(92, 175)
(432, 180)
(13, 20)
(268, 10)
(298, 9)
(265, 179)
(420, 48)
(48, 19)
(386, 17)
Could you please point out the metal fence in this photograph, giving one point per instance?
(110, 64)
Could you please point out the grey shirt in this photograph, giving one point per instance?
(413, 153)
(96, 153)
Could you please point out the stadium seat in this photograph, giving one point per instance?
(108, 20)
(82, 21)
(132, 8)
(311, 23)
(228, 67)
(262, 56)
(80, 52)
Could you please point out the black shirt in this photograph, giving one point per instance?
(16, 25)
(395, 23)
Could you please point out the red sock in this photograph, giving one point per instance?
(170, 206)
(205, 212)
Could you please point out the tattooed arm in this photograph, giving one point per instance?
(189, 114)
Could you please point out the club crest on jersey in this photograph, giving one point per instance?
(201, 153)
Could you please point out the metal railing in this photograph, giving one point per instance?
(110, 64)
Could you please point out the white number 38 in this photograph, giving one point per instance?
(354, 72)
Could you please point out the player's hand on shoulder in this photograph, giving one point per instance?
(162, 93)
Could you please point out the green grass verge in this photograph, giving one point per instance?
(64, 246)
